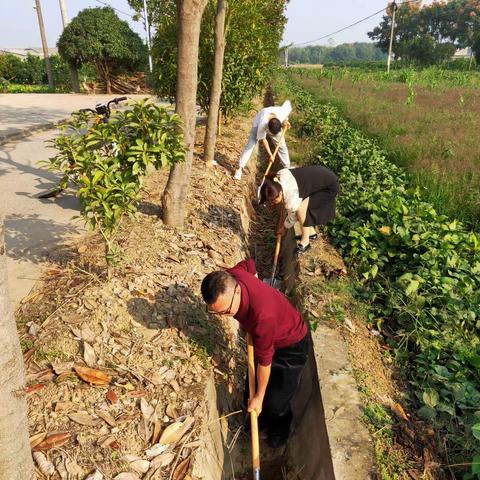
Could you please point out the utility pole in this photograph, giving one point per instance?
(38, 7)
(394, 8)
(149, 38)
(286, 56)
(73, 70)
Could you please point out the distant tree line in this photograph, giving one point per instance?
(430, 34)
(344, 53)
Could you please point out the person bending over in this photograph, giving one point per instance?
(280, 339)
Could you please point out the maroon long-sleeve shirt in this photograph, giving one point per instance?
(266, 314)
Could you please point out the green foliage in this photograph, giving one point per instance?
(254, 30)
(432, 77)
(98, 37)
(420, 271)
(30, 75)
(110, 161)
(430, 34)
(345, 53)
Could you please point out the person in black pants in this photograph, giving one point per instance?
(309, 196)
(280, 339)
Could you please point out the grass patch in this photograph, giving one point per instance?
(435, 137)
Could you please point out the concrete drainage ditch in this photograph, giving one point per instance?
(329, 441)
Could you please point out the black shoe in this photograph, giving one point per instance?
(301, 249)
(311, 237)
(276, 441)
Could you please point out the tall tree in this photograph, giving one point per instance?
(431, 33)
(189, 18)
(255, 30)
(97, 36)
(15, 455)
(216, 91)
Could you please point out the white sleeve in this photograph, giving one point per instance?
(262, 126)
(284, 111)
(290, 220)
(290, 195)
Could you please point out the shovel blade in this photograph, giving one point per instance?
(275, 284)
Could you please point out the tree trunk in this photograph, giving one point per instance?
(189, 17)
(74, 80)
(15, 455)
(216, 91)
(104, 74)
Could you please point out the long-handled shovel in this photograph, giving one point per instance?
(271, 160)
(253, 414)
(275, 260)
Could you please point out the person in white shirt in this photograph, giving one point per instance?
(309, 197)
(267, 123)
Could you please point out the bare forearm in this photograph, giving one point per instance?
(267, 147)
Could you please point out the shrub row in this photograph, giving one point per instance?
(420, 271)
(31, 71)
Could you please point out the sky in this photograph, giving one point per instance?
(307, 20)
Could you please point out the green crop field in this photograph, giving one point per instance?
(427, 121)
(418, 270)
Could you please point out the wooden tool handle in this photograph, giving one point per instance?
(281, 219)
(274, 154)
(253, 414)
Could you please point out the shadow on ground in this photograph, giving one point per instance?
(31, 238)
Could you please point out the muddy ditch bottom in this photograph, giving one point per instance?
(307, 453)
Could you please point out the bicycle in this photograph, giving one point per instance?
(102, 114)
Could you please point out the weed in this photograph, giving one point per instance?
(49, 355)
(26, 344)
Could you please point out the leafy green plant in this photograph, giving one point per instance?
(108, 162)
(420, 271)
(253, 33)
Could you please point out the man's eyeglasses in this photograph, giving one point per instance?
(228, 311)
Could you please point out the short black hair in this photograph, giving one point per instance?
(274, 125)
(269, 191)
(214, 285)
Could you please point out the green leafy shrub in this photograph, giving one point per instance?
(253, 33)
(109, 162)
(419, 270)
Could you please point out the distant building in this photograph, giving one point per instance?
(463, 53)
(23, 52)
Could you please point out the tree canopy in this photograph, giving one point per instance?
(431, 33)
(99, 37)
(254, 30)
(344, 53)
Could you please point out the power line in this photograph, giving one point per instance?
(116, 9)
(352, 25)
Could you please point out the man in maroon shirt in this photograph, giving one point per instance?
(279, 337)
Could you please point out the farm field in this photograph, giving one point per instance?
(417, 272)
(427, 121)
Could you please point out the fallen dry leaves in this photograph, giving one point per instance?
(92, 376)
(53, 441)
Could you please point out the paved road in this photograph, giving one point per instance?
(29, 110)
(34, 228)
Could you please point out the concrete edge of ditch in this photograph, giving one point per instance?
(351, 447)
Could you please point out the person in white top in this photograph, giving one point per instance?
(267, 123)
(308, 195)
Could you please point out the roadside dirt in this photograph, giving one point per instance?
(146, 329)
